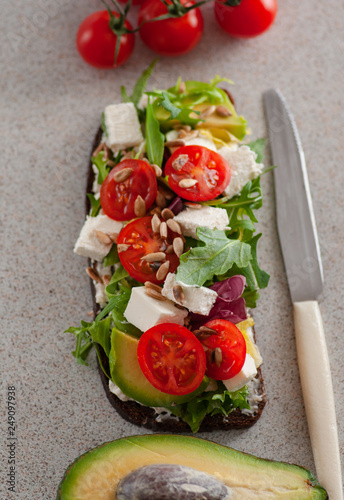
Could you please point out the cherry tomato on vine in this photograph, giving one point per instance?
(197, 163)
(250, 18)
(96, 41)
(171, 358)
(120, 189)
(134, 2)
(232, 345)
(170, 37)
(140, 240)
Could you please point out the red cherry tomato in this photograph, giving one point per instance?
(210, 169)
(233, 350)
(141, 241)
(96, 42)
(134, 2)
(170, 37)
(250, 18)
(171, 358)
(118, 198)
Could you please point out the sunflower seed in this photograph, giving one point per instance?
(113, 237)
(178, 294)
(208, 330)
(178, 143)
(163, 230)
(111, 163)
(157, 170)
(139, 207)
(106, 279)
(179, 126)
(153, 286)
(207, 112)
(178, 246)
(196, 206)
(218, 356)
(155, 223)
(169, 250)
(167, 214)
(102, 237)
(182, 88)
(93, 274)
(174, 226)
(187, 183)
(155, 210)
(154, 266)
(123, 175)
(160, 200)
(223, 111)
(192, 135)
(122, 247)
(182, 134)
(98, 149)
(154, 294)
(166, 192)
(154, 257)
(201, 335)
(163, 270)
(107, 152)
(180, 161)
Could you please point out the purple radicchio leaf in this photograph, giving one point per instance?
(229, 304)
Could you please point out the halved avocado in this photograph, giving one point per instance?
(95, 475)
(127, 374)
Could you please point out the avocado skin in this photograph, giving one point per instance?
(189, 450)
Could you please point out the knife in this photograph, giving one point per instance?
(302, 260)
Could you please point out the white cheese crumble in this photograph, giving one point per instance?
(206, 142)
(122, 126)
(88, 244)
(144, 311)
(247, 372)
(191, 219)
(198, 299)
(242, 162)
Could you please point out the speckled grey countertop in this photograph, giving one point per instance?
(51, 103)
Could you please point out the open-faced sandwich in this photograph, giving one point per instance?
(170, 467)
(170, 234)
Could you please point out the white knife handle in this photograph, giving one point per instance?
(317, 392)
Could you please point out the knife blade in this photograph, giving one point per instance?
(302, 260)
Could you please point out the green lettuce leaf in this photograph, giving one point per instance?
(216, 257)
(258, 147)
(183, 114)
(211, 403)
(112, 257)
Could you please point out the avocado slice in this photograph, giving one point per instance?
(95, 475)
(127, 374)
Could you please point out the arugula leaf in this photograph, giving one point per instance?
(258, 147)
(112, 257)
(122, 299)
(101, 334)
(117, 276)
(139, 87)
(216, 257)
(87, 334)
(103, 124)
(154, 138)
(95, 204)
(103, 169)
(213, 402)
(183, 114)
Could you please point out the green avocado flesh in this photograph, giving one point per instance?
(127, 374)
(95, 475)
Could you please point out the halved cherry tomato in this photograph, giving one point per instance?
(141, 241)
(170, 37)
(250, 18)
(171, 358)
(118, 198)
(96, 41)
(232, 350)
(209, 169)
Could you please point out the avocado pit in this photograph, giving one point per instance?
(171, 482)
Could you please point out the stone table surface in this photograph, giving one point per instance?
(50, 106)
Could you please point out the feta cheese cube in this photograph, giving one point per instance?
(198, 299)
(88, 244)
(244, 168)
(122, 126)
(196, 141)
(144, 311)
(190, 219)
(247, 372)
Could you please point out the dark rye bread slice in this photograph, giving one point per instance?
(147, 417)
